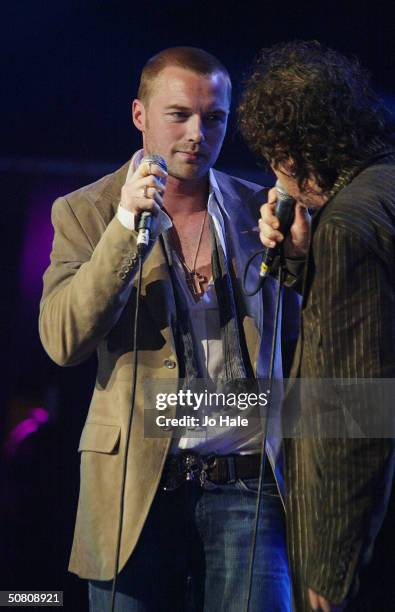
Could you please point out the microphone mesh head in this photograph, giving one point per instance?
(281, 193)
(154, 159)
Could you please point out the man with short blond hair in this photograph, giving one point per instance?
(186, 532)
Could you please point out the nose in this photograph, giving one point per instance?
(195, 128)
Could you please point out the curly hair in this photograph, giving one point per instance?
(308, 103)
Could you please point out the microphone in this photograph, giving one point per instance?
(284, 211)
(145, 219)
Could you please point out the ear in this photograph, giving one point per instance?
(138, 115)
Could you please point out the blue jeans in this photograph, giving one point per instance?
(193, 555)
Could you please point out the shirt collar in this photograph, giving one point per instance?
(214, 189)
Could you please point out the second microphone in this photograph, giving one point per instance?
(285, 212)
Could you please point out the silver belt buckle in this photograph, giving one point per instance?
(189, 467)
(192, 466)
(197, 470)
(205, 482)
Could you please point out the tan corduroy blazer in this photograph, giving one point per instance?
(88, 305)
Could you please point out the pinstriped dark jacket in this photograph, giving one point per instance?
(337, 487)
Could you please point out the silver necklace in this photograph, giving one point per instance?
(194, 279)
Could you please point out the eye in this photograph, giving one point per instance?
(178, 115)
(215, 118)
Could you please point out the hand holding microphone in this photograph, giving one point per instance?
(282, 218)
(142, 195)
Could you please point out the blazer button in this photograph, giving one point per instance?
(169, 363)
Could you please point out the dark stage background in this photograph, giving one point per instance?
(70, 70)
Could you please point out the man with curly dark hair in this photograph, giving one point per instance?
(311, 114)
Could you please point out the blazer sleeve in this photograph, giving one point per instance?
(351, 473)
(86, 285)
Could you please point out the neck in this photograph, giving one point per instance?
(185, 197)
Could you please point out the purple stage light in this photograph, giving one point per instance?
(37, 417)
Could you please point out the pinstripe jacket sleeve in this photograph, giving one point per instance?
(339, 481)
(348, 471)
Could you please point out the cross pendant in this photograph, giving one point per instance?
(195, 282)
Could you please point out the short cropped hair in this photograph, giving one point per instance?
(309, 103)
(190, 58)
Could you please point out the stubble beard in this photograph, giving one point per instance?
(187, 171)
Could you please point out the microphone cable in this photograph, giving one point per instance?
(259, 502)
(144, 227)
(259, 282)
(285, 212)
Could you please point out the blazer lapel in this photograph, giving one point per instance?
(157, 289)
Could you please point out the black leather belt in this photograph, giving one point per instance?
(215, 469)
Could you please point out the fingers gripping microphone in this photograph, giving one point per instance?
(284, 211)
(145, 220)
